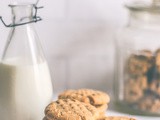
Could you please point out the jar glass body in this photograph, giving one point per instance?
(137, 75)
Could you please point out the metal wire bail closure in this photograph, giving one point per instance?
(35, 18)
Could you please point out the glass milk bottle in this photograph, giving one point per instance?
(137, 86)
(25, 82)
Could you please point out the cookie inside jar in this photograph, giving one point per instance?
(142, 80)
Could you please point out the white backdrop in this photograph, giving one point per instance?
(78, 39)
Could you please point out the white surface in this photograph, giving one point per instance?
(113, 113)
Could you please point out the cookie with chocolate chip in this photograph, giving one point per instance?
(139, 64)
(132, 91)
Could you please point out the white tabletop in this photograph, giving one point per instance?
(114, 113)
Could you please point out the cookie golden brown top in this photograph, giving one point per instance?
(70, 109)
(87, 96)
(116, 118)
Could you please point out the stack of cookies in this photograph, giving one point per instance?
(142, 81)
(82, 104)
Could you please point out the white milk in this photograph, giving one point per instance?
(25, 91)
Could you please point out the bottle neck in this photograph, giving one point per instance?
(142, 19)
(22, 13)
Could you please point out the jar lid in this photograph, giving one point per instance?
(153, 6)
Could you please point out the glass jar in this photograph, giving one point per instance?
(137, 85)
(25, 82)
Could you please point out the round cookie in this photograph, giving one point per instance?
(117, 118)
(139, 64)
(87, 96)
(150, 103)
(96, 98)
(70, 109)
(132, 91)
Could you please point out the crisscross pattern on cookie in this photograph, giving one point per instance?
(66, 109)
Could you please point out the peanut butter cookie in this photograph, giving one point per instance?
(96, 98)
(70, 109)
